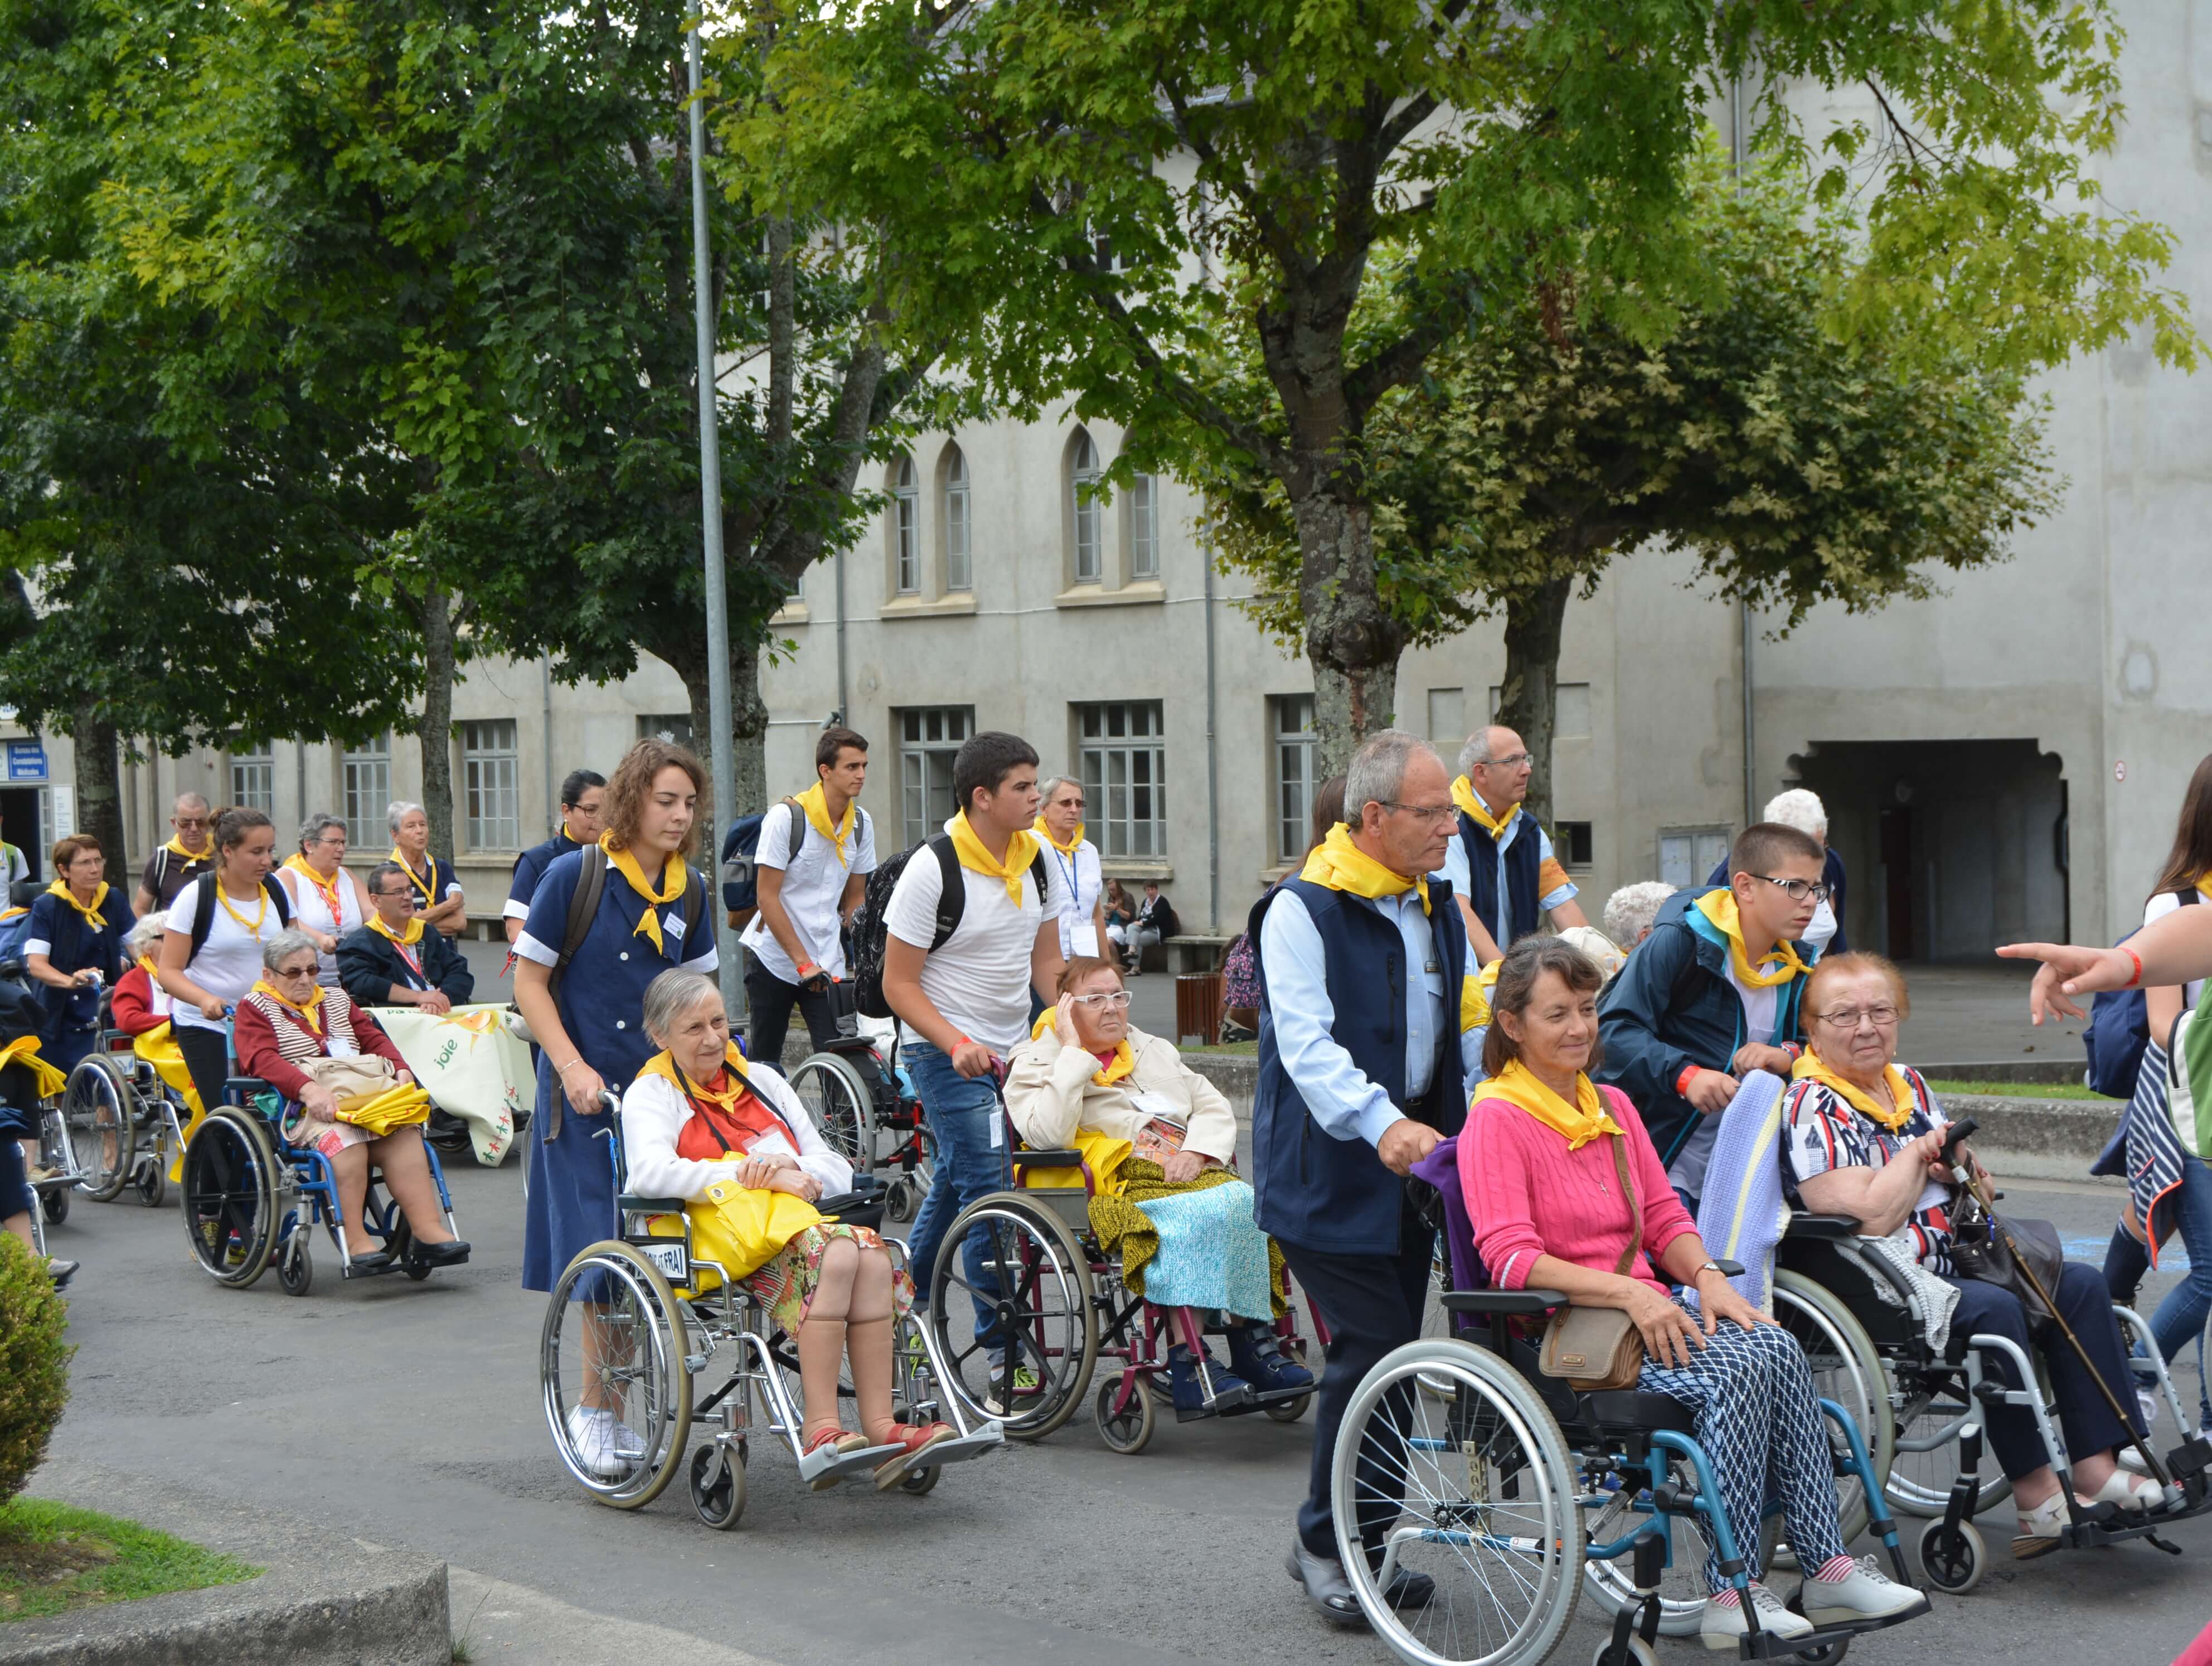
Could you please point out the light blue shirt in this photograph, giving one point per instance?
(1503, 928)
(1338, 1093)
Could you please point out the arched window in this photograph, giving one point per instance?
(959, 574)
(1083, 481)
(1144, 527)
(906, 528)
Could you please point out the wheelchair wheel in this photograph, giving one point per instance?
(1953, 1559)
(1488, 1508)
(55, 1205)
(1035, 1281)
(718, 1484)
(922, 1480)
(1929, 1409)
(154, 1179)
(1638, 1653)
(1128, 1431)
(100, 1099)
(838, 1097)
(1848, 1369)
(296, 1265)
(230, 1196)
(1287, 1411)
(615, 1387)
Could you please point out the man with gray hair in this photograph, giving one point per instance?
(1801, 807)
(189, 854)
(1364, 1068)
(1501, 865)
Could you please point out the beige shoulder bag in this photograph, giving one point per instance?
(1600, 1347)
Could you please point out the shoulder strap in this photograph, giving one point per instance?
(160, 866)
(279, 897)
(1635, 1205)
(583, 907)
(1038, 874)
(2189, 897)
(953, 895)
(798, 831)
(202, 912)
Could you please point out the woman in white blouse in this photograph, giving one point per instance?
(695, 1117)
(327, 901)
(1059, 824)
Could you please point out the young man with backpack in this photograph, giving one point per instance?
(811, 861)
(972, 927)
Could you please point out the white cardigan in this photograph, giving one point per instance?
(653, 1113)
(1049, 1094)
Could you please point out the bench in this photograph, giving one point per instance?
(1191, 953)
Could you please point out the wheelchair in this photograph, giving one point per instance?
(676, 1343)
(133, 1125)
(868, 1112)
(251, 1197)
(1059, 1301)
(1521, 1493)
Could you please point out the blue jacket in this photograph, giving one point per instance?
(1831, 873)
(1673, 1006)
(1523, 863)
(1310, 1187)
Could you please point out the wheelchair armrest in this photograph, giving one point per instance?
(1733, 1269)
(1047, 1159)
(240, 1089)
(1831, 1227)
(650, 1206)
(1531, 1300)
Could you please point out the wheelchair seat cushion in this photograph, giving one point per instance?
(1633, 1408)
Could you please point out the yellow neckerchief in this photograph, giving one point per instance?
(24, 1050)
(1123, 1061)
(145, 963)
(176, 846)
(1044, 832)
(328, 888)
(662, 1065)
(94, 919)
(1465, 796)
(1580, 1122)
(1021, 851)
(671, 887)
(815, 801)
(1894, 1117)
(12, 914)
(2204, 884)
(1341, 865)
(1719, 907)
(310, 1014)
(430, 897)
(1474, 997)
(253, 930)
(412, 935)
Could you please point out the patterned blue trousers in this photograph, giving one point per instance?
(1757, 1419)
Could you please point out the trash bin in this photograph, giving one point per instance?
(1197, 1009)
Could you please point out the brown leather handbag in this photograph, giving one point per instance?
(1600, 1347)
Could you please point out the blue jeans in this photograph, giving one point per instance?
(2180, 1317)
(972, 1161)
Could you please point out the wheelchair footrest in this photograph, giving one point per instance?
(988, 1437)
(827, 1461)
(1770, 1646)
(1232, 1404)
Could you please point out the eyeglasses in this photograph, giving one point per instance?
(1849, 1018)
(1514, 762)
(1114, 1002)
(1799, 890)
(180, 823)
(293, 974)
(1427, 812)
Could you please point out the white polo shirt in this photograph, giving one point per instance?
(813, 883)
(980, 980)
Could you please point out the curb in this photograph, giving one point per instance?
(325, 1599)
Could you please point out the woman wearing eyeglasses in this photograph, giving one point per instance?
(1863, 1140)
(1087, 1077)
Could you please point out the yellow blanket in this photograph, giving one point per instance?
(1102, 1151)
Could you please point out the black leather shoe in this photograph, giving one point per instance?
(447, 1254)
(1327, 1587)
(1409, 1590)
(378, 1261)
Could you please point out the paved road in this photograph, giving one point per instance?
(409, 1414)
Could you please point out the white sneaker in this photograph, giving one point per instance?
(1866, 1593)
(1723, 1627)
(605, 1446)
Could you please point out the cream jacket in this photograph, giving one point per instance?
(1049, 1094)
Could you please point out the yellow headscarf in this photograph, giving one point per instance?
(671, 886)
(1719, 907)
(1465, 796)
(1475, 996)
(1580, 1122)
(1341, 865)
(816, 803)
(411, 936)
(94, 919)
(310, 1011)
(1021, 851)
(1044, 832)
(1893, 1116)
(1123, 1061)
(429, 896)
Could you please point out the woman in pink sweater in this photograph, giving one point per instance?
(1566, 1193)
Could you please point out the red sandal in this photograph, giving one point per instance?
(914, 1438)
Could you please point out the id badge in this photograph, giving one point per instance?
(672, 923)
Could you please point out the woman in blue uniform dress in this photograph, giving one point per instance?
(76, 945)
(654, 912)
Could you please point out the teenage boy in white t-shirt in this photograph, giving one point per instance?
(795, 943)
(965, 1005)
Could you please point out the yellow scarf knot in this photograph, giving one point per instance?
(670, 887)
(1465, 796)
(1894, 1115)
(328, 888)
(1068, 850)
(1720, 908)
(1580, 1122)
(176, 848)
(1123, 1061)
(310, 1011)
(94, 919)
(409, 937)
(1021, 851)
(426, 886)
(815, 802)
(1341, 865)
(662, 1065)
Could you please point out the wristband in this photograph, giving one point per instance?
(570, 1065)
(1682, 1082)
(2137, 958)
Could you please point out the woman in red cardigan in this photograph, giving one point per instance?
(288, 1019)
(1543, 1161)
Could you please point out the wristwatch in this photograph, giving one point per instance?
(1707, 1266)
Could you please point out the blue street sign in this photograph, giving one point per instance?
(26, 760)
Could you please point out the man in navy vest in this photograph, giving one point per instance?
(1502, 864)
(1363, 963)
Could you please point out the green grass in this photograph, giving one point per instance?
(54, 1558)
(2021, 1091)
(1249, 1049)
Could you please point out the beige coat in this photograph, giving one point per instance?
(1049, 1094)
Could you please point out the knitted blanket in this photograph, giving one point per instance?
(1742, 1212)
(1122, 1224)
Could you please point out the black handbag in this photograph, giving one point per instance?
(1983, 1245)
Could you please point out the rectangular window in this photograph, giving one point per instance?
(488, 767)
(929, 739)
(252, 776)
(368, 794)
(909, 528)
(1086, 538)
(1292, 728)
(1570, 709)
(958, 574)
(1123, 763)
(673, 727)
(1144, 528)
(1448, 721)
(1571, 840)
(1686, 854)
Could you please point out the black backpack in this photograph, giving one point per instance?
(204, 909)
(864, 938)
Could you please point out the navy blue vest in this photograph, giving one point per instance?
(1310, 1187)
(1522, 858)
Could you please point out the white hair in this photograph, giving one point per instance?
(1052, 784)
(142, 936)
(1629, 911)
(1377, 771)
(397, 812)
(1477, 749)
(1801, 808)
(286, 944)
(1600, 949)
(672, 994)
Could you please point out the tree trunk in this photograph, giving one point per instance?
(749, 718)
(99, 789)
(435, 729)
(1352, 642)
(1528, 702)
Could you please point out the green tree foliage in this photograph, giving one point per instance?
(33, 1363)
(1084, 173)
(1543, 443)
